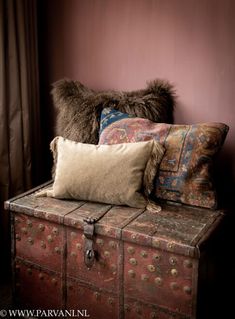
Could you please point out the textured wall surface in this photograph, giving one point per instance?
(121, 44)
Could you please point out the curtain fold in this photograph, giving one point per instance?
(20, 143)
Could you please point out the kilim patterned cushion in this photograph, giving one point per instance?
(185, 173)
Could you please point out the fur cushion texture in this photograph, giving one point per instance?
(185, 173)
(119, 174)
(79, 108)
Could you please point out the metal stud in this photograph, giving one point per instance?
(133, 236)
(127, 308)
(144, 277)
(74, 223)
(57, 250)
(174, 286)
(170, 246)
(106, 253)
(113, 268)
(79, 246)
(54, 281)
(43, 244)
(187, 290)
(16, 219)
(29, 271)
(133, 261)
(41, 227)
(188, 263)
(110, 301)
(158, 281)
(30, 240)
(144, 254)
(41, 277)
(151, 268)
(153, 315)
(96, 295)
(112, 244)
(72, 234)
(156, 243)
(73, 254)
(49, 239)
(24, 230)
(173, 260)
(130, 250)
(131, 273)
(156, 257)
(100, 242)
(29, 223)
(55, 230)
(174, 272)
(18, 237)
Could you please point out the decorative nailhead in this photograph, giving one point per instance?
(131, 273)
(73, 254)
(74, 223)
(41, 277)
(130, 250)
(55, 230)
(158, 281)
(100, 242)
(151, 268)
(96, 295)
(29, 223)
(170, 246)
(153, 315)
(113, 268)
(127, 308)
(156, 243)
(156, 257)
(144, 254)
(54, 281)
(188, 263)
(110, 301)
(24, 230)
(18, 237)
(133, 261)
(43, 244)
(79, 246)
(41, 227)
(173, 260)
(57, 250)
(187, 290)
(144, 277)
(49, 238)
(106, 253)
(72, 234)
(16, 219)
(112, 244)
(174, 286)
(133, 236)
(29, 271)
(174, 272)
(30, 240)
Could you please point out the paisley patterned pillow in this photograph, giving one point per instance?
(185, 171)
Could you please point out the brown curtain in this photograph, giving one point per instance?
(19, 103)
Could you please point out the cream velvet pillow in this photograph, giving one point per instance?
(120, 174)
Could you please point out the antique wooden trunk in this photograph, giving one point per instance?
(130, 264)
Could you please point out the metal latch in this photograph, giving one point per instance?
(89, 253)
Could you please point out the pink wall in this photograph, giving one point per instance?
(121, 44)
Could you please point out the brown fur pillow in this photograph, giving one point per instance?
(79, 107)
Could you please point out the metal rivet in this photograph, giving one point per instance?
(144, 254)
(174, 286)
(83, 236)
(106, 253)
(72, 234)
(113, 268)
(174, 272)
(188, 263)
(131, 273)
(43, 244)
(133, 236)
(130, 250)
(18, 237)
(74, 223)
(73, 254)
(100, 242)
(110, 301)
(133, 261)
(170, 246)
(112, 244)
(30, 240)
(127, 308)
(41, 227)
(96, 295)
(57, 250)
(16, 219)
(144, 277)
(29, 271)
(55, 231)
(187, 290)
(49, 238)
(151, 268)
(24, 230)
(41, 277)
(79, 246)
(156, 257)
(173, 260)
(153, 315)
(29, 223)
(158, 281)
(54, 281)
(156, 243)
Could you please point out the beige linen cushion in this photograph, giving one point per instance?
(120, 174)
